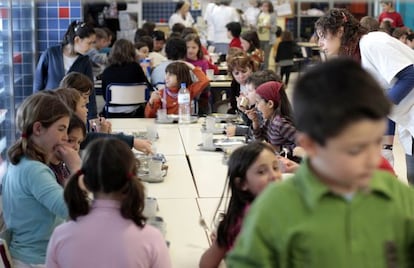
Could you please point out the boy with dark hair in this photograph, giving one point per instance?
(338, 210)
(175, 49)
(233, 33)
(158, 38)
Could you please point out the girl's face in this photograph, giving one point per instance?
(82, 110)
(265, 107)
(143, 52)
(240, 75)
(265, 7)
(49, 138)
(263, 171)
(171, 80)
(83, 45)
(245, 44)
(385, 7)
(185, 8)
(251, 94)
(192, 50)
(329, 43)
(75, 138)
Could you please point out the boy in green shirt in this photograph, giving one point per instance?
(338, 210)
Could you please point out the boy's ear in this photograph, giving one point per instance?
(37, 128)
(307, 143)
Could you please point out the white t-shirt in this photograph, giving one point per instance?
(177, 18)
(251, 14)
(220, 17)
(68, 62)
(207, 17)
(384, 57)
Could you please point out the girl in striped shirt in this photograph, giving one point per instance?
(277, 127)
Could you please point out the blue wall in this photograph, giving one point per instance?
(406, 10)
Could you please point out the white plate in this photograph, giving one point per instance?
(173, 119)
(144, 176)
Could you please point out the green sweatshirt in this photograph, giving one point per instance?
(301, 223)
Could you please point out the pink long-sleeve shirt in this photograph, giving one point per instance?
(103, 238)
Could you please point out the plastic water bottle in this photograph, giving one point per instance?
(183, 105)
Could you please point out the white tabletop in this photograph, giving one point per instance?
(209, 174)
(177, 184)
(188, 241)
(169, 142)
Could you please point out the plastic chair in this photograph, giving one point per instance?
(124, 95)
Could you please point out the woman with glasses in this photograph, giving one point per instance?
(69, 56)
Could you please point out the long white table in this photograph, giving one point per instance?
(187, 238)
(177, 184)
(183, 195)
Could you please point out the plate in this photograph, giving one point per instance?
(220, 144)
(224, 116)
(227, 142)
(173, 119)
(142, 135)
(144, 176)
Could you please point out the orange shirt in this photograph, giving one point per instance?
(172, 103)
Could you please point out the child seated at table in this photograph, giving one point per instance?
(252, 82)
(110, 231)
(76, 134)
(324, 215)
(176, 73)
(72, 98)
(32, 199)
(277, 127)
(251, 169)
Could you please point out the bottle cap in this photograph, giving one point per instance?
(183, 85)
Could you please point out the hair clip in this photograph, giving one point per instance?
(130, 176)
(24, 135)
(344, 17)
(79, 25)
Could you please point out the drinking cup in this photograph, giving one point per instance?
(210, 74)
(151, 207)
(210, 123)
(207, 140)
(162, 114)
(152, 132)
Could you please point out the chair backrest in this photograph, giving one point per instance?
(126, 94)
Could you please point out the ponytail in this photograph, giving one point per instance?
(132, 205)
(70, 34)
(284, 104)
(76, 199)
(25, 147)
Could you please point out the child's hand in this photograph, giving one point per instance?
(190, 65)
(105, 126)
(213, 237)
(289, 166)
(144, 146)
(155, 95)
(299, 152)
(69, 156)
(252, 115)
(231, 130)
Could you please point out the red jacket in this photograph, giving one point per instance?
(172, 103)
